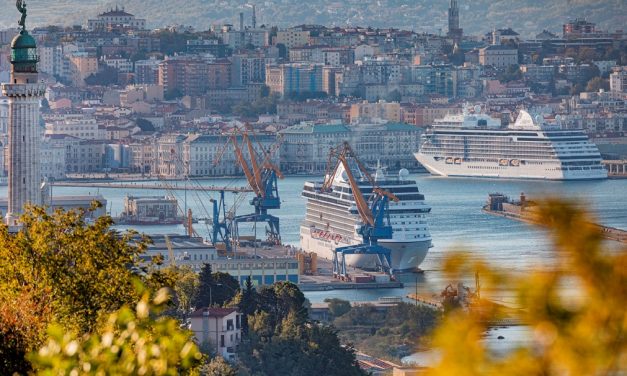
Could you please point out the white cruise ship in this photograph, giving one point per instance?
(475, 145)
(331, 220)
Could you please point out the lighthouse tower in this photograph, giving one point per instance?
(24, 93)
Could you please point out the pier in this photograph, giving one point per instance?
(522, 211)
(616, 169)
(157, 186)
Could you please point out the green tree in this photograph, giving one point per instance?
(172, 94)
(80, 271)
(248, 303)
(294, 348)
(597, 83)
(214, 289)
(338, 307)
(105, 76)
(512, 73)
(584, 335)
(131, 342)
(394, 96)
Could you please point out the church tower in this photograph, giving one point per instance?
(24, 93)
(454, 31)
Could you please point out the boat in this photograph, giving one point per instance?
(331, 219)
(150, 210)
(533, 147)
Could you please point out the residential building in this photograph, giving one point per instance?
(291, 38)
(76, 125)
(82, 65)
(382, 110)
(147, 71)
(305, 147)
(213, 154)
(618, 81)
(121, 64)
(498, 56)
(294, 79)
(220, 327)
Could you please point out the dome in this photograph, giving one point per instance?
(23, 40)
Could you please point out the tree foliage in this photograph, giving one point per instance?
(582, 335)
(76, 270)
(131, 342)
(338, 307)
(294, 348)
(214, 289)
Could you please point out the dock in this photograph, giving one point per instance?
(616, 169)
(500, 205)
(157, 186)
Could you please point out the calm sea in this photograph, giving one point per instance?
(456, 220)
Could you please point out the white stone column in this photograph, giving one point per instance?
(24, 147)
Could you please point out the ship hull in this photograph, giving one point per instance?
(405, 256)
(481, 170)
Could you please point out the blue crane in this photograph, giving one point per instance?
(375, 217)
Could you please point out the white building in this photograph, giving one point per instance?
(75, 125)
(618, 81)
(221, 327)
(498, 56)
(121, 64)
(115, 19)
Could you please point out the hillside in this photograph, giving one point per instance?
(477, 16)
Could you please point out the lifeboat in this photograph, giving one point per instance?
(458, 161)
(449, 160)
(514, 162)
(503, 162)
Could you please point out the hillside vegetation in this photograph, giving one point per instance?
(478, 16)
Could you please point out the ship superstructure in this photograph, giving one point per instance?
(476, 145)
(331, 219)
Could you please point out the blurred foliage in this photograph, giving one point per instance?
(131, 342)
(572, 335)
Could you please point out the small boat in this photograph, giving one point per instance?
(503, 162)
(449, 160)
(514, 162)
(458, 161)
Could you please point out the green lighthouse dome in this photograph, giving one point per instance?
(24, 53)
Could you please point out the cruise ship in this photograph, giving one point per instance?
(473, 144)
(331, 220)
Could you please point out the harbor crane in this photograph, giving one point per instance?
(262, 176)
(375, 217)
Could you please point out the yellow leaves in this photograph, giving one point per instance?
(576, 310)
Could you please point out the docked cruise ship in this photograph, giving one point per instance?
(331, 220)
(476, 145)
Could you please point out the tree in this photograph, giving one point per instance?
(512, 73)
(294, 348)
(597, 83)
(105, 76)
(79, 270)
(205, 281)
(338, 307)
(581, 336)
(248, 303)
(131, 342)
(394, 96)
(172, 94)
(214, 289)
(217, 367)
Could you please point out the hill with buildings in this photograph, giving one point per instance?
(478, 16)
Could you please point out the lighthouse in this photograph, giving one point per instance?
(24, 93)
